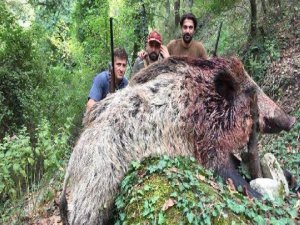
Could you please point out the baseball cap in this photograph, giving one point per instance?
(154, 36)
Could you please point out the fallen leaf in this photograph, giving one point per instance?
(173, 169)
(246, 193)
(200, 177)
(169, 203)
(230, 185)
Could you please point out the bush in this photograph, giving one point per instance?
(20, 73)
(24, 162)
(259, 56)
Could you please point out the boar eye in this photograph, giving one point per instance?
(250, 91)
(225, 85)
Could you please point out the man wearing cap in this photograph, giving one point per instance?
(154, 52)
(186, 46)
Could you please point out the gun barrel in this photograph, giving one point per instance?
(218, 38)
(113, 80)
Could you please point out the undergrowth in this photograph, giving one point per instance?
(25, 161)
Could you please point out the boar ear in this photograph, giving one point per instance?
(225, 85)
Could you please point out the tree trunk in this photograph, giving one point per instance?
(188, 5)
(144, 16)
(253, 25)
(168, 27)
(280, 5)
(176, 12)
(264, 7)
(141, 31)
(276, 5)
(168, 9)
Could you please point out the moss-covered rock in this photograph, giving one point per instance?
(179, 191)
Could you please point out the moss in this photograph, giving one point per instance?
(281, 191)
(154, 190)
(179, 191)
(228, 219)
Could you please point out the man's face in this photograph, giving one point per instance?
(153, 49)
(120, 68)
(187, 30)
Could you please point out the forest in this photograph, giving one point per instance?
(51, 50)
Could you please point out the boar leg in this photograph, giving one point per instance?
(253, 157)
(228, 170)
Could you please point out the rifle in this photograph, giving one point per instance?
(112, 68)
(218, 38)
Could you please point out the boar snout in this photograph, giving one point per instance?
(272, 119)
(278, 123)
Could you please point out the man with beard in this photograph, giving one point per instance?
(186, 46)
(154, 52)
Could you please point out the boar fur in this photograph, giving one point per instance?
(182, 106)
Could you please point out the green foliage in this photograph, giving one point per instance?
(23, 161)
(216, 6)
(92, 32)
(234, 32)
(20, 72)
(179, 191)
(49, 13)
(136, 18)
(259, 56)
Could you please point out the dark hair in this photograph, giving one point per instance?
(189, 16)
(120, 53)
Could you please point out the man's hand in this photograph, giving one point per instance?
(142, 54)
(164, 51)
(90, 104)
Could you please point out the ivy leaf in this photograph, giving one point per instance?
(161, 218)
(190, 216)
(136, 164)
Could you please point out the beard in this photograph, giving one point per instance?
(153, 56)
(187, 38)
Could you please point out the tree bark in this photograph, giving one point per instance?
(168, 8)
(264, 7)
(140, 31)
(176, 12)
(169, 28)
(188, 5)
(253, 25)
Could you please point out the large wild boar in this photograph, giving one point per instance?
(181, 106)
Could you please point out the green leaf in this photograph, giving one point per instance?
(16, 167)
(190, 216)
(136, 164)
(174, 194)
(161, 218)
(30, 161)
